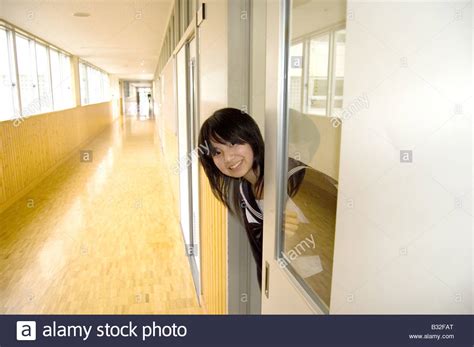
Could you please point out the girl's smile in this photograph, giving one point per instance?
(234, 160)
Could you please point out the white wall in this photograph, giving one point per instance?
(404, 230)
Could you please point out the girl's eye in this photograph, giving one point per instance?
(216, 153)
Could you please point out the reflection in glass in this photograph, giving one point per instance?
(318, 75)
(310, 211)
(313, 144)
(339, 54)
(296, 75)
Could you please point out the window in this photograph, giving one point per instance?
(61, 79)
(95, 85)
(105, 86)
(44, 79)
(83, 82)
(8, 88)
(316, 80)
(296, 75)
(28, 78)
(338, 85)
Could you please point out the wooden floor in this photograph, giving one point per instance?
(100, 237)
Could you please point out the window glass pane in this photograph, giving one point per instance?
(98, 86)
(27, 73)
(106, 84)
(56, 78)
(102, 86)
(93, 84)
(84, 84)
(90, 78)
(66, 89)
(61, 76)
(339, 50)
(296, 75)
(318, 75)
(7, 88)
(44, 78)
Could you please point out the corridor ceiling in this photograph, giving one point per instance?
(122, 37)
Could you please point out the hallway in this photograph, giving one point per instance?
(95, 237)
(111, 197)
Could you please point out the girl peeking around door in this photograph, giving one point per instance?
(234, 166)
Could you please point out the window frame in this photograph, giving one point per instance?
(12, 73)
(21, 111)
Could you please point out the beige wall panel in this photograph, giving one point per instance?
(213, 59)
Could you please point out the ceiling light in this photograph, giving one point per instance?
(81, 14)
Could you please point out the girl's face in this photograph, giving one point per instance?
(234, 160)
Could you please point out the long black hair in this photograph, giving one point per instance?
(230, 125)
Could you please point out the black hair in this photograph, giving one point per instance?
(230, 125)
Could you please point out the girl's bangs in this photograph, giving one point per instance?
(225, 136)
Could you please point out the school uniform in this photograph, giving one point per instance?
(252, 211)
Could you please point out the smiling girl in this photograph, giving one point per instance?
(234, 166)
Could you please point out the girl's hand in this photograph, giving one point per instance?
(290, 222)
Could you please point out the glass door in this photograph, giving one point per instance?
(301, 156)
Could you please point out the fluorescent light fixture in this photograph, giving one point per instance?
(81, 14)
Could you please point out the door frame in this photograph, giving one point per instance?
(188, 200)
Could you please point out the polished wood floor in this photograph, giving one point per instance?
(98, 237)
(317, 199)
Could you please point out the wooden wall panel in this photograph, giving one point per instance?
(30, 148)
(213, 227)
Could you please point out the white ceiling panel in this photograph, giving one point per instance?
(122, 37)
